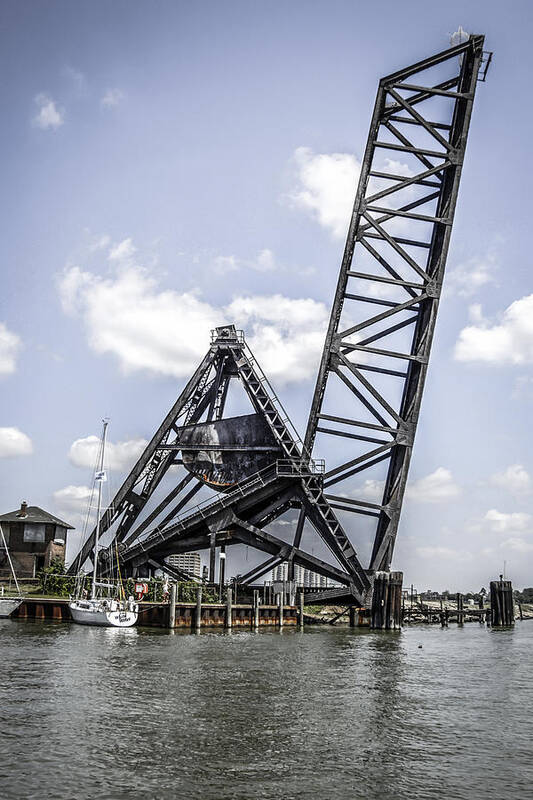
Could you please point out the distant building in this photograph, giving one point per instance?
(34, 537)
(190, 562)
(303, 577)
(429, 594)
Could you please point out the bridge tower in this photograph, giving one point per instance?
(375, 359)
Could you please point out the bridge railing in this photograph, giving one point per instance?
(282, 467)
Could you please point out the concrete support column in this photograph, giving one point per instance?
(301, 611)
(280, 609)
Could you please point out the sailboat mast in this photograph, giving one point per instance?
(4, 540)
(99, 477)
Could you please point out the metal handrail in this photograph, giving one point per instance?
(274, 399)
(283, 467)
(232, 336)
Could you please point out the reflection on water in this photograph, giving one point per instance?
(330, 713)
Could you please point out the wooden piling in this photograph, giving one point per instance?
(386, 612)
(460, 607)
(198, 614)
(501, 603)
(301, 611)
(172, 606)
(229, 609)
(255, 611)
(352, 616)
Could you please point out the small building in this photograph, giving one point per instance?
(34, 537)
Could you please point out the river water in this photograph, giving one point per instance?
(331, 713)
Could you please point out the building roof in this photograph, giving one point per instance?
(34, 514)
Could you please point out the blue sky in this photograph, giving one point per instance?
(168, 166)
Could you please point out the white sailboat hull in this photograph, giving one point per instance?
(87, 612)
(8, 605)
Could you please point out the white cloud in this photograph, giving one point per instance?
(73, 498)
(49, 115)
(100, 243)
(517, 544)
(10, 345)
(225, 264)
(467, 278)
(371, 490)
(514, 479)
(76, 78)
(14, 443)
(111, 98)
(475, 313)
(441, 552)
(326, 187)
(167, 333)
(286, 335)
(73, 504)
(72, 285)
(263, 262)
(509, 341)
(159, 331)
(433, 488)
(500, 522)
(123, 251)
(119, 456)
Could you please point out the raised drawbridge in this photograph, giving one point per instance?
(366, 404)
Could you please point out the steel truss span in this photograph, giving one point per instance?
(383, 317)
(240, 510)
(376, 352)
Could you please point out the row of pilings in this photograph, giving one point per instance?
(387, 612)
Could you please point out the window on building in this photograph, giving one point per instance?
(61, 533)
(34, 532)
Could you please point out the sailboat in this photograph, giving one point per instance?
(103, 607)
(9, 604)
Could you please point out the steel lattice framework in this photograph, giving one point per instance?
(397, 244)
(239, 516)
(393, 263)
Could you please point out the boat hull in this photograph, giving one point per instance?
(105, 618)
(8, 605)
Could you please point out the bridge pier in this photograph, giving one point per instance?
(172, 605)
(255, 611)
(198, 614)
(460, 608)
(501, 603)
(229, 609)
(386, 611)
